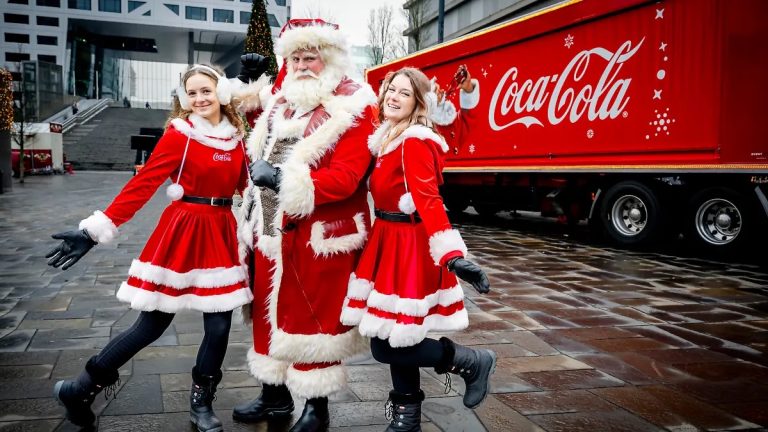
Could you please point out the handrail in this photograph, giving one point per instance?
(85, 115)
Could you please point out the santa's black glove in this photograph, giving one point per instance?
(74, 245)
(470, 272)
(253, 65)
(264, 174)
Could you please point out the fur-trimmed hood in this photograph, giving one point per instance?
(414, 131)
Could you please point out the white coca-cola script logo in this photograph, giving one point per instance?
(222, 157)
(570, 98)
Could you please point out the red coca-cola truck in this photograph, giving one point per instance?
(646, 118)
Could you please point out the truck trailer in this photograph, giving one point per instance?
(647, 119)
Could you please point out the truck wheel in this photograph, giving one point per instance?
(487, 210)
(720, 218)
(630, 213)
(455, 204)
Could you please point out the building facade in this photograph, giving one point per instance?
(461, 17)
(126, 48)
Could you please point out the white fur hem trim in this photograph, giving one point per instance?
(406, 204)
(413, 131)
(351, 316)
(100, 227)
(247, 97)
(297, 190)
(359, 289)
(316, 382)
(443, 242)
(200, 136)
(470, 100)
(143, 300)
(267, 369)
(323, 246)
(315, 348)
(403, 335)
(201, 278)
(415, 307)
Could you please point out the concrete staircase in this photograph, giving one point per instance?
(104, 143)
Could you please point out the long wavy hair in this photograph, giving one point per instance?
(227, 110)
(420, 114)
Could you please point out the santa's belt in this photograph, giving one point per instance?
(397, 217)
(214, 201)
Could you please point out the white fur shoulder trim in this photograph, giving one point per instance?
(413, 131)
(470, 100)
(200, 135)
(100, 227)
(443, 242)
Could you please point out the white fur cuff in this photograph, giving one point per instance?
(267, 369)
(470, 100)
(297, 190)
(247, 97)
(443, 242)
(316, 382)
(443, 113)
(100, 227)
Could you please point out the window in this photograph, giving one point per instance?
(48, 21)
(133, 5)
(245, 17)
(79, 4)
(147, 13)
(47, 58)
(47, 40)
(16, 18)
(18, 1)
(49, 3)
(109, 6)
(17, 38)
(222, 15)
(280, 2)
(16, 57)
(195, 13)
(272, 21)
(174, 8)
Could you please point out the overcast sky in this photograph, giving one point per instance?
(350, 15)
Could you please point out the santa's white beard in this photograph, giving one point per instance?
(308, 93)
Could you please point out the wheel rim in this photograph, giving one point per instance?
(629, 215)
(718, 221)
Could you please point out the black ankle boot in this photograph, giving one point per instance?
(314, 418)
(78, 395)
(201, 399)
(275, 401)
(475, 366)
(403, 410)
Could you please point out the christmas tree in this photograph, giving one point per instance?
(259, 38)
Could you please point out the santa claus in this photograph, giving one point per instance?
(304, 221)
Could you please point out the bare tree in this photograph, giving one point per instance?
(416, 17)
(381, 36)
(314, 10)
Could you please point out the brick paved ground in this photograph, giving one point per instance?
(588, 338)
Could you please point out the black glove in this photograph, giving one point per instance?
(470, 272)
(253, 66)
(264, 174)
(74, 245)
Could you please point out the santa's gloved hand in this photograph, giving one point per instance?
(253, 65)
(470, 272)
(74, 245)
(264, 174)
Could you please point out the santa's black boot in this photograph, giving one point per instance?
(201, 397)
(275, 401)
(315, 417)
(78, 395)
(475, 366)
(403, 410)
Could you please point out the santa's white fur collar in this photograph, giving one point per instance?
(413, 131)
(223, 136)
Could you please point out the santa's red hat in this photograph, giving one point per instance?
(307, 33)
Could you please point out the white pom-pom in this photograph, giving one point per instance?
(175, 191)
(406, 204)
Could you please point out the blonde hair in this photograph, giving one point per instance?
(420, 114)
(227, 110)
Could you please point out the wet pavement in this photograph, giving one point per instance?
(589, 337)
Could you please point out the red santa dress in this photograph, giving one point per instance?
(191, 258)
(401, 288)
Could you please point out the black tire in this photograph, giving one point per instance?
(720, 219)
(486, 210)
(455, 203)
(631, 214)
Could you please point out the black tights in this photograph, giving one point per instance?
(148, 328)
(404, 363)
